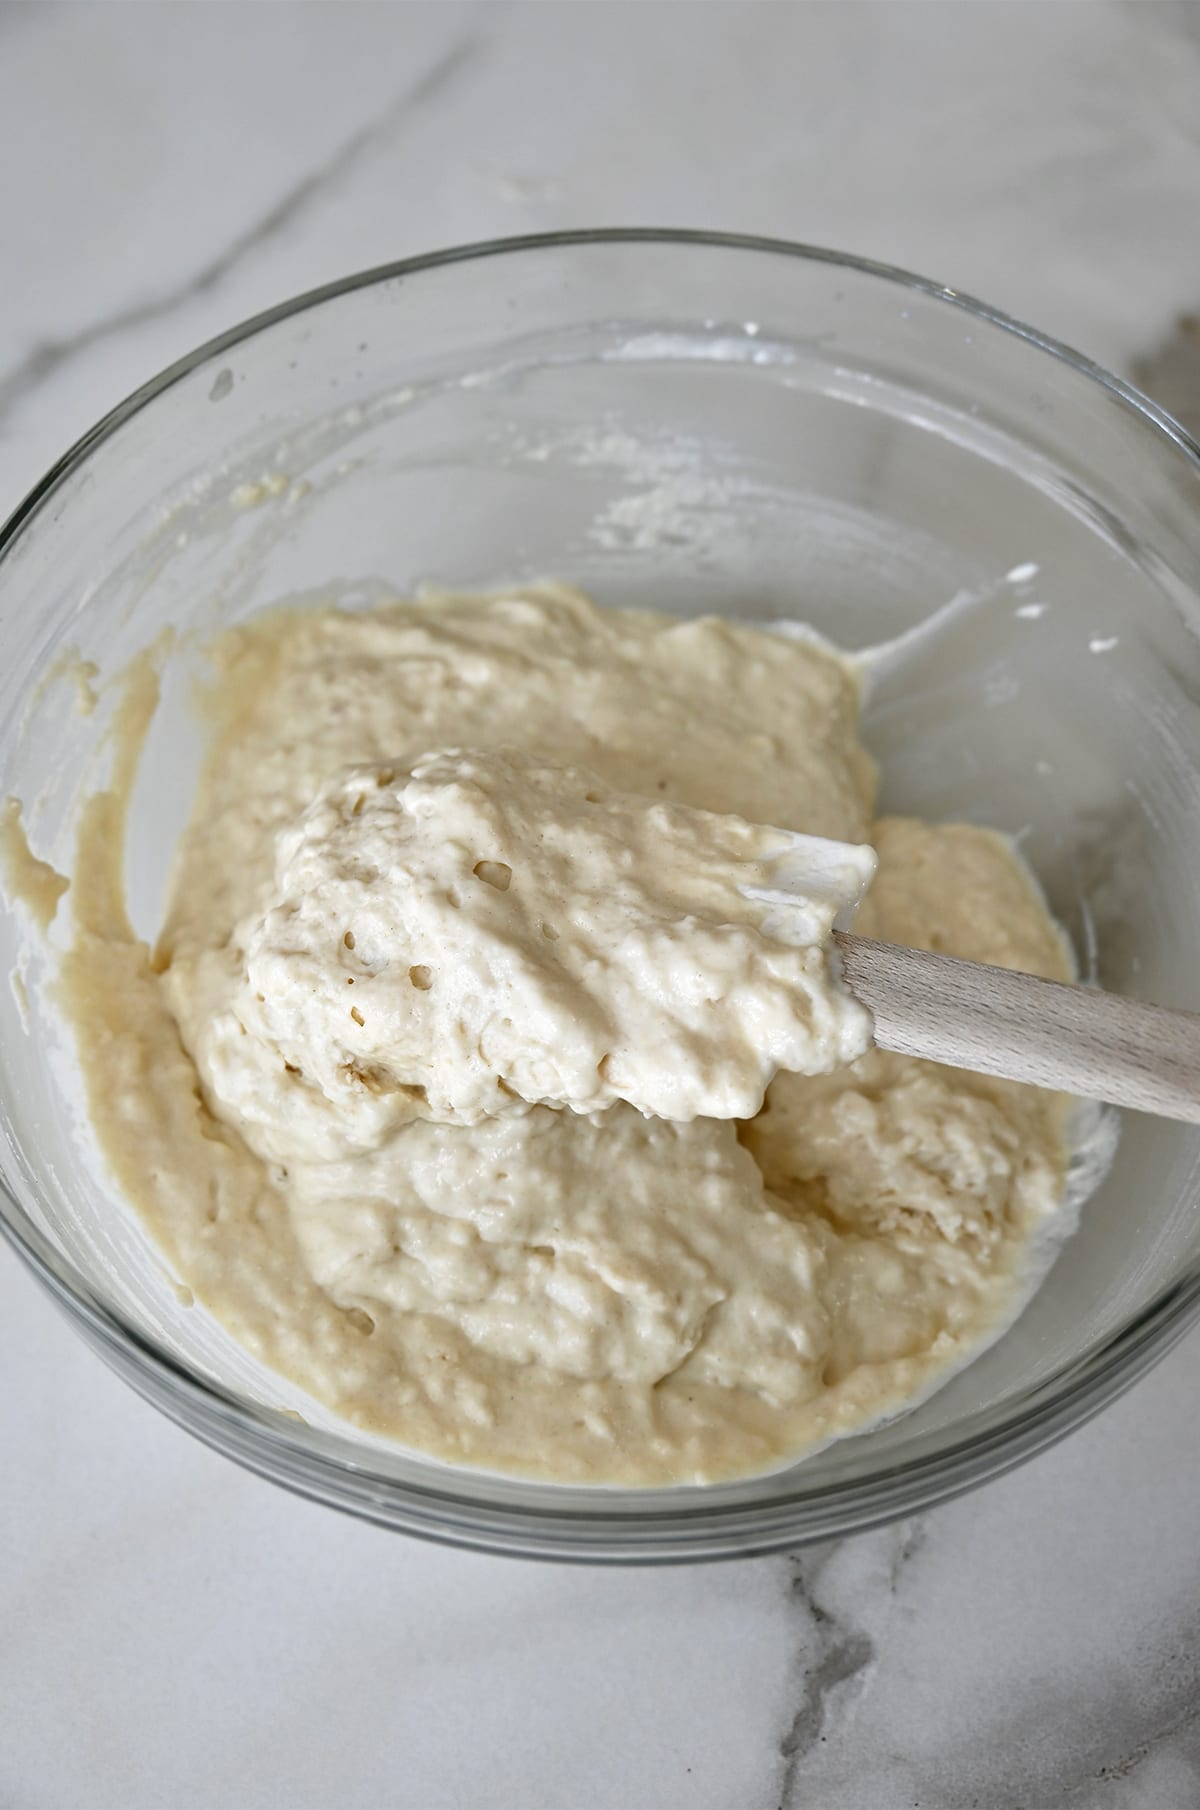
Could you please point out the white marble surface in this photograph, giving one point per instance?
(175, 1634)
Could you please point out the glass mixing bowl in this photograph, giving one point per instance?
(693, 423)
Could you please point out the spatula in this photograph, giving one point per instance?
(1020, 1027)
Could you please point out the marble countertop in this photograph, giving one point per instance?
(176, 1635)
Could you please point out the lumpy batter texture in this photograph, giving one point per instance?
(484, 933)
(463, 1232)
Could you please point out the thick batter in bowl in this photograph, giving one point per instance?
(693, 425)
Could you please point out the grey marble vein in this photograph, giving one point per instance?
(1161, 1713)
(1123, 1736)
(48, 355)
(832, 1653)
(910, 1538)
(1170, 1726)
(1182, 1729)
(839, 1592)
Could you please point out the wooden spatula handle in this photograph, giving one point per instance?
(1022, 1028)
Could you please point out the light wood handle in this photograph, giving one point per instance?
(1022, 1028)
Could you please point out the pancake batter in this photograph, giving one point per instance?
(465, 1233)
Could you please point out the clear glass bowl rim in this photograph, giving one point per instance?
(688, 1529)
